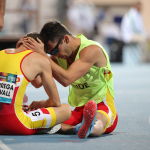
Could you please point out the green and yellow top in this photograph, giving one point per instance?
(93, 85)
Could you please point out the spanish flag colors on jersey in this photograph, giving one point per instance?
(13, 83)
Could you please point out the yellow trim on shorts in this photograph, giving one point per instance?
(110, 99)
(108, 119)
(53, 116)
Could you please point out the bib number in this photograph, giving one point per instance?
(36, 113)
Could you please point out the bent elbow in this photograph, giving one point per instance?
(38, 86)
(66, 81)
(52, 103)
(65, 84)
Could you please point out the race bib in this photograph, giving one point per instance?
(7, 87)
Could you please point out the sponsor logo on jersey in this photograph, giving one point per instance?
(7, 86)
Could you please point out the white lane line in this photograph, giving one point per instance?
(3, 146)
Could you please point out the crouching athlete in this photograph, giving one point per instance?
(19, 67)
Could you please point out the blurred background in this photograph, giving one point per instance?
(112, 23)
(99, 20)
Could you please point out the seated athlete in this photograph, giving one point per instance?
(19, 67)
(83, 64)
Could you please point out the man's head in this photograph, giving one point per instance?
(36, 35)
(138, 6)
(54, 32)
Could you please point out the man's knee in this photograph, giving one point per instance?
(98, 128)
(100, 124)
(66, 110)
(63, 113)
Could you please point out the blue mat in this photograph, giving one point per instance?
(132, 100)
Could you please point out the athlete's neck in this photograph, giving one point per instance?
(76, 46)
(20, 49)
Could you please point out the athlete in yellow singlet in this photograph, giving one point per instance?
(18, 67)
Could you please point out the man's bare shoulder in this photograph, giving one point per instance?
(91, 51)
(94, 54)
(34, 64)
(38, 59)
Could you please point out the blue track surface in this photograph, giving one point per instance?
(132, 100)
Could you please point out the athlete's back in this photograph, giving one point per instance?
(13, 82)
(18, 67)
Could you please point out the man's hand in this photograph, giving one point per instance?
(38, 47)
(33, 105)
(21, 41)
(1, 22)
(25, 107)
(36, 104)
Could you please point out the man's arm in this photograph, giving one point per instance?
(2, 13)
(45, 73)
(49, 85)
(80, 67)
(91, 55)
(37, 83)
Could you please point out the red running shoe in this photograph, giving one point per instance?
(89, 116)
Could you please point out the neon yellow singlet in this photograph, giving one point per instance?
(93, 85)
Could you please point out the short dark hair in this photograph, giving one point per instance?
(53, 31)
(36, 35)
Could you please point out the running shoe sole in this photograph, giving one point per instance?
(89, 116)
(51, 130)
(54, 129)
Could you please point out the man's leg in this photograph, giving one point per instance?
(62, 113)
(69, 125)
(100, 124)
(56, 116)
(93, 122)
(66, 129)
(73, 125)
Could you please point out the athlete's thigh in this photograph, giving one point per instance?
(39, 118)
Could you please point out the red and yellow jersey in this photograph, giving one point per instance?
(13, 82)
